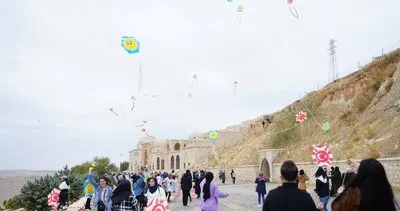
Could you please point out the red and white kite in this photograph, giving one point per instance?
(301, 116)
(53, 198)
(157, 205)
(322, 155)
(193, 192)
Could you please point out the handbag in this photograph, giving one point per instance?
(101, 206)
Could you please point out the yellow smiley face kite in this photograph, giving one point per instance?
(130, 44)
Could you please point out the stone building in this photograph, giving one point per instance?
(169, 154)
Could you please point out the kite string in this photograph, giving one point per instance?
(317, 122)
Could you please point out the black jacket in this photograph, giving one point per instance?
(186, 182)
(288, 198)
(322, 188)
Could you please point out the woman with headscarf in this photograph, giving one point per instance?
(260, 188)
(322, 187)
(122, 198)
(336, 179)
(103, 192)
(369, 191)
(303, 178)
(155, 191)
(210, 193)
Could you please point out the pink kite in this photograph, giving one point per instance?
(293, 9)
(322, 155)
(145, 132)
(53, 198)
(112, 110)
(301, 116)
(133, 98)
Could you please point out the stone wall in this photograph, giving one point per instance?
(391, 165)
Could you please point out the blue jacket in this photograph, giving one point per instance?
(138, 187)
(98, 193)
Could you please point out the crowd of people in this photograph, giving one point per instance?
(125, 192)
(363, 187)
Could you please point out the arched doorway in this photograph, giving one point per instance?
(172, 162)
(158, 163)
(162, 164)
(178, 164)
(265, 168)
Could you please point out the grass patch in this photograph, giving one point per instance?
(285, 120)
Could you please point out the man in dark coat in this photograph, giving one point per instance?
(186, 185)
(288, 196)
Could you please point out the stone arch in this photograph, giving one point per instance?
(172, 162)
(158, 163)
(178, 160)
(177, 147)
(265, 168)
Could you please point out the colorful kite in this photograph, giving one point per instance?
(88, 189)
(112, 110)
(293, 9)
(326, 126)
(240, 11)
(133, 99)
(301, 117)
(213, 135)
(145, 132)
(234, 87)
(157, 205)
(53, 198)
(322, 155)
(130, 44)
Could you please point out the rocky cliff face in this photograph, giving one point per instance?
(362, 108)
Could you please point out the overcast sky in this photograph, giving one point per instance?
(62, 67)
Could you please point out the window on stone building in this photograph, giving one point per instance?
(184, 165)
(188, 164)
(158, 163)
(177, 147)
(172, 162)
(178, 160)
(162, 164)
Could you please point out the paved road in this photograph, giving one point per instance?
(242, 197)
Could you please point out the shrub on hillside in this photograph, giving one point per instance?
(12, 203)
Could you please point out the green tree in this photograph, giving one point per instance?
(12, 203)
(124, 166)
(103, 165)
(81, 169)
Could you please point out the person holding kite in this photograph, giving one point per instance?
(103, 192)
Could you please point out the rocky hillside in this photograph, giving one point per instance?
(362, 108)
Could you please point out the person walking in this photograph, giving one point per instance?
(322, 187)
(155, 191)
(233, 176)
(288, 197)
(303, 178)
(210, 193)
(260, 188)
(186, 185)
